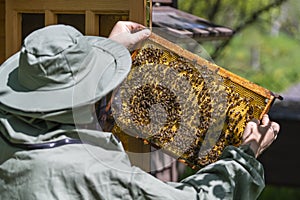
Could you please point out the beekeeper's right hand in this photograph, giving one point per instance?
(129, 33)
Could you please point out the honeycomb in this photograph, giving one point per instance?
(185, 105)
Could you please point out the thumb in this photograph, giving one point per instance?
(249, 128)
(265, 120)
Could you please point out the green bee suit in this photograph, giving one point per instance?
(43, 93)
(103, 171)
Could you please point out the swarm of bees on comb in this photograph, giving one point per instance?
(181, 103)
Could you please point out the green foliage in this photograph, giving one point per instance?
(278, 58)
(290, 19)
(260, 52)
(226, 12)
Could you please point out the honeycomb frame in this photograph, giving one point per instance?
(245, 100)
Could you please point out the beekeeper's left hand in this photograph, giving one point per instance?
(260, 135)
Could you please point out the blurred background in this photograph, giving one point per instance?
(264, 48)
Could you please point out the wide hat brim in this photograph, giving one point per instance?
(110, 64)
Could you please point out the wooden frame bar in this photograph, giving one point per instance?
(50, 18)
(136, 10)
(12, 32)
(91, 23)
(221, 71)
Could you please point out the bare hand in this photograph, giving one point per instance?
(129, 33)
(260, 135)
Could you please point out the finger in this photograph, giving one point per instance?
(133, 26)
(265, 120)
(270, 137)
(141, 35)
(125, 27)
(249, 128)
(268, 142)
(256, 121)
(275, 128)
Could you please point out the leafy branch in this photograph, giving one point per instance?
(252, 19)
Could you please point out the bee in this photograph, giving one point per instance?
(237, 113)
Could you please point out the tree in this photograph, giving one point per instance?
(237, 14)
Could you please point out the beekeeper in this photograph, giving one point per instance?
(47, 91)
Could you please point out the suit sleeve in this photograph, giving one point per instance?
(237, 175)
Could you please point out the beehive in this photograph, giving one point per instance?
(184, 104)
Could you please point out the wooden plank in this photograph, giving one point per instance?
(2, 19)
(138, 152)
(162, 1)
(72, 5)
(107, 22)
(50, 18)
(2, 31)
(137, 11)
(12, 31)
(2, 49)
(91, 23)
(149, 11)
(168, 17)
(2, 10)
